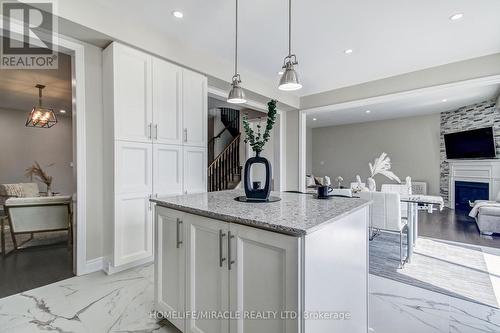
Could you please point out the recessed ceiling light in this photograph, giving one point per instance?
(62, 111)
(314, 119)
(457, 16)
(368, 111)
(177, 14)
(444, 100)
(348, 51)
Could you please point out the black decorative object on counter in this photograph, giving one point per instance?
(254, 190)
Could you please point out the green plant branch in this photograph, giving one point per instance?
(258, 142)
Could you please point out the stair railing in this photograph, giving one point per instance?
(225, 167)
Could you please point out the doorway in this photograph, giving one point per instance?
(37, 176)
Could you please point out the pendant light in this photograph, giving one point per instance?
(236, 95)
(41, 116)
(289, 80)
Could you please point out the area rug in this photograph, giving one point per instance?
(451, 269)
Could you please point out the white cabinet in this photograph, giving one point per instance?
(167, 169)
(148, 102)
(195, 178)
(207, 276)
(194, 105)
(132, 94)
(133, 168)
(228, 267)
(170, 264)
(263, 277)
(133, 234)
(167, 111)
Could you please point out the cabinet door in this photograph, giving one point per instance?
(170, 264)
(194, 105)
(167, 120)
(132, 94)
(263, 277)
(133, 229)
(195, 170)
(167, 169)
(133, 167)
(207, 277)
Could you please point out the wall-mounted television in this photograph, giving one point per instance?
(478, 143)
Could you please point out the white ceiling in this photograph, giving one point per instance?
(389, 37)
(18, 92)
(418, 104)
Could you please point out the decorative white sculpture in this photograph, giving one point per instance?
(327, 181)
(381, 165)
(372, 186)
(408, 185)
(339, 180)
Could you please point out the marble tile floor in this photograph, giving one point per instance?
(397, 307)
(91, 303)
(123, 302)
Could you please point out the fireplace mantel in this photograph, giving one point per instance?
(481, 171)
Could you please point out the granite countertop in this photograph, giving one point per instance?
(296, 214)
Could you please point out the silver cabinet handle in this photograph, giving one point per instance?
(185, 135)
(149, 197)
(149, 130)
(221, 259)
(229, 261)
(179, 241)
(156, 131)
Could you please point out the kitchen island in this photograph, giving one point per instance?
(296, 265)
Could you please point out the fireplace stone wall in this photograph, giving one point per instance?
(469, 117)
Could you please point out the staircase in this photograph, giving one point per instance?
(224, 172)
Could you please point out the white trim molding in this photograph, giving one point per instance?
(92, 265)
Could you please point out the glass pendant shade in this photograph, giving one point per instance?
(236, 94)
(41, 116)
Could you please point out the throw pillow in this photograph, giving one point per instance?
(310, 181)
(319, 181)
(30, 190)
(13, 190)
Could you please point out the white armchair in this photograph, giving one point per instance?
(385, 214)
(29, 215)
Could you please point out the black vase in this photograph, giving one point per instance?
(257, 194)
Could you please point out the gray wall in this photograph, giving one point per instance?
(309, 150)
(94, 119)
(20, 146)
(466, 118)
(292, 151)
(411, 143)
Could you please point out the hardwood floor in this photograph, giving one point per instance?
(34, 267)
(454, 226)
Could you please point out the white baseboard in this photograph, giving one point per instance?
(110, 269)
(92, 265)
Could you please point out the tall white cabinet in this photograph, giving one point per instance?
(155, 134)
